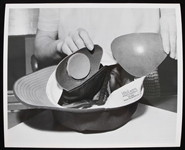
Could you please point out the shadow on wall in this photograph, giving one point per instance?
(23, 21)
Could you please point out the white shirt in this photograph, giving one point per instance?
(102, 24)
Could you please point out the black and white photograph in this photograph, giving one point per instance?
(92, 75)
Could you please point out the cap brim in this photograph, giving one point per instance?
(32, 89)
(41, 90)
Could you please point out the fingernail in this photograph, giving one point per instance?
(90, 47)
(172, 55)
(166, 50)
(175, 57)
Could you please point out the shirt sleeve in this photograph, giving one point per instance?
(48, 19)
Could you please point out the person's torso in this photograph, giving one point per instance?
(105, 24)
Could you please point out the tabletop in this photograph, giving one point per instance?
(149, 126)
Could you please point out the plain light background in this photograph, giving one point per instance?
(23, 21)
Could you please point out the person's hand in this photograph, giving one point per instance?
(76, 40)
(168, 31)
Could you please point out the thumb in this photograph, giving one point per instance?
(86, 38)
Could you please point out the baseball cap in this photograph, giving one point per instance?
(43, 90)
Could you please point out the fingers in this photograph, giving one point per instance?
(62, 47)
(76, 40)
(165, 36)
(66, 49)
(81, 38)
(86, 39)
(68, 46)
(173, 39)
(173, 46)
(70, 43)
(169, 37)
